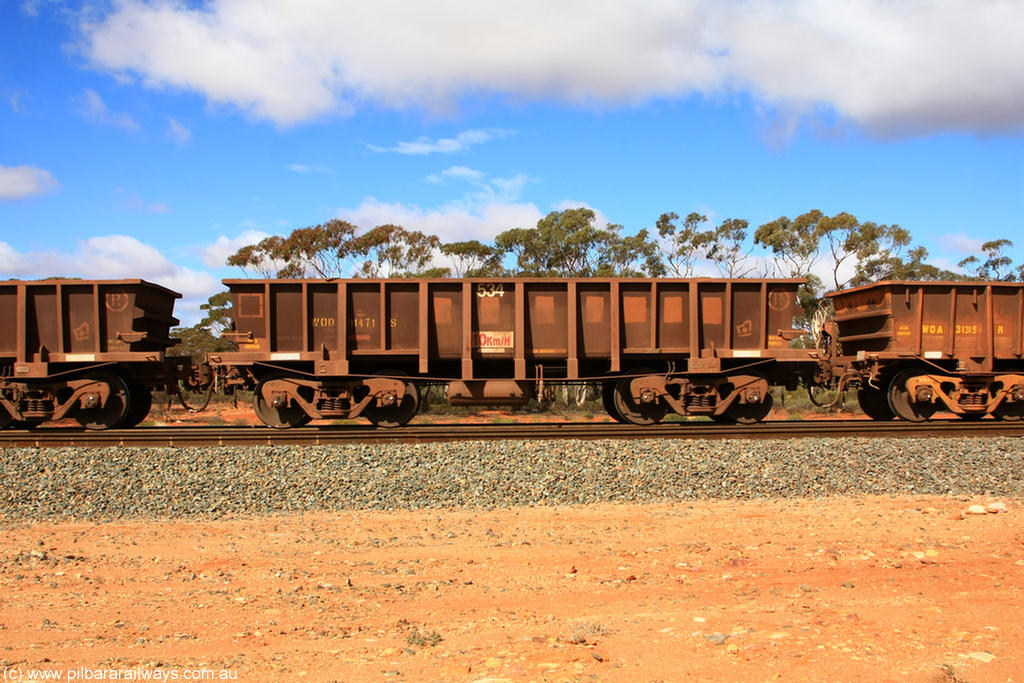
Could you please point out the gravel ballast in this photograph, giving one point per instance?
(112, 483)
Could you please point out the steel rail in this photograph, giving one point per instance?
(337, 434)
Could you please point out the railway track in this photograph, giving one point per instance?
(334, 434)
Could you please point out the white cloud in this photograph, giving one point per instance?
(177, 132)
(95, 110)
(132, 201)
(600, 219)
(452, 222)
(215, 255)
(11, 261)
(19, 182)
(961, 244)
(33, 7)
(115, 257)
(309, 168)
(460, 143)
(895, 67)
(487, 207)
(108, 256)
(14, 99)
(456, 172)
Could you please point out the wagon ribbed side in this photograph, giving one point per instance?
(927, 346)
(313, 344)
(88, 349)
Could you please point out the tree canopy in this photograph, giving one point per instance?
(830, 252)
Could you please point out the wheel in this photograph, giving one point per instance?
(281, 417)
(903, 404)
(608, 399)
(874, 403)
(745, 413)
(113, 412)
(1011, 412)
(750, 413)
(6, 419)
(398, 414)
(139, 406)
(631, 411)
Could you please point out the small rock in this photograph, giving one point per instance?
(716, 638)
(996, 507)
(732, 648)
(977, 510)
(981, 656)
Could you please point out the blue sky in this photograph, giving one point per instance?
(151, 139)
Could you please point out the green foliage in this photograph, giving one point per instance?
(996, 265)
(569, 244)
(878, 252)
(473, 259)
(794, 242)
(392, 251)
(205, 336)
(683, 245)
(316, 251)
(727, 250)
(329, 250)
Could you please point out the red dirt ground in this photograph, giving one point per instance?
(845, 589)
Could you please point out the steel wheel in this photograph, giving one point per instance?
(110, 414)
(608, 400)
(278, 417)
(632, 411)
(903, 404)
(140, 405)
(874, 403)
(746, 413)
(1009, 411)
(750, 413)
(398, 414)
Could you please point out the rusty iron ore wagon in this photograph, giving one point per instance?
(315, 349)
(95, 350)
(915, 348)
(92, 350)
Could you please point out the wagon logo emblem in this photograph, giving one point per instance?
(81, 332)
(117, 301)
(779, 301)
(745, 328)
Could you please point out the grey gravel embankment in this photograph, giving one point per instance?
(110, 483)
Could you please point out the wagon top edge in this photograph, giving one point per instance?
(527, 280)
(74, 281)
(927, 284)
